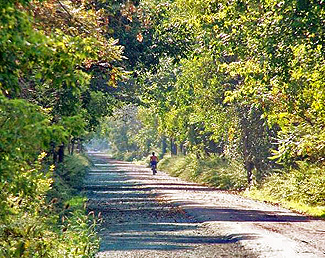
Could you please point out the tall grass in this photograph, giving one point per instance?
(213, 171)
(302, 189)
(51, 223)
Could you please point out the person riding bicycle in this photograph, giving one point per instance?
(153, 160)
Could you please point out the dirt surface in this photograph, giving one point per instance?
(162, 216)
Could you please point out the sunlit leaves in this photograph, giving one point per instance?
(243, 56)
(277, 56)
(20, 45)
(25, 132)
(25, 128)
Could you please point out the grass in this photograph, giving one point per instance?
(50, 223)
(306, 209)
(79, 234)
(213, 171)
(77, 202)
(301, 189)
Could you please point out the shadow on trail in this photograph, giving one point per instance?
(135, 218)
(239, 215)
(159, 241)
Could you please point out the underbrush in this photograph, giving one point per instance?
(301, 189)
(51, 220)
(214, 171)
(127, 156)
(69, 175)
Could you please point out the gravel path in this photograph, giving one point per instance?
(161, 216)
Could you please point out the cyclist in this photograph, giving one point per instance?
(153, 163)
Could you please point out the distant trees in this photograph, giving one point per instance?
(131, 132)
(243, 79)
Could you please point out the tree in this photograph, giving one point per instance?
(45, 65)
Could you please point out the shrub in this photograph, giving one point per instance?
(305, 184)
(39, 222)
(214, 171)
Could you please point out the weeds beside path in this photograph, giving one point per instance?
(162, 216)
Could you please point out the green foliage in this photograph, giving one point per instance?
(131, 132)
(250, 84)
(49, 59)
(29, 219)
(118, 129)
(305, 184)
(214, 171)
(42, 222)
(20, 46)
(301, 142)
(79, 238)
(69, 176)
(48, 53)
(240, 79)
(301, 189)
(25, 132)
(279, 73)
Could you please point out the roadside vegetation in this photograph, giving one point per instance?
(301, 189)
(230, 94)
(235, 98)
(213, 171)
(50, 62)
(47, 216)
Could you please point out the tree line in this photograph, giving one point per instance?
(240, 77)
(59, 69)
(240, 81)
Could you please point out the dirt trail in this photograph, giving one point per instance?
(161, 216)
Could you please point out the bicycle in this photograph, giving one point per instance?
(154, 169)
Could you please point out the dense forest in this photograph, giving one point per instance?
(233, 91)
(234, 96)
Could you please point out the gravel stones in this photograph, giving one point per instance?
(147, 215)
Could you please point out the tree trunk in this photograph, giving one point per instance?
(55, 157)
(163, 146)
(69, 145)
(61, 153)
(79, 145)
(173, 147)
(53, 153)
(182, 149)
(249, 165)
(72, 147)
